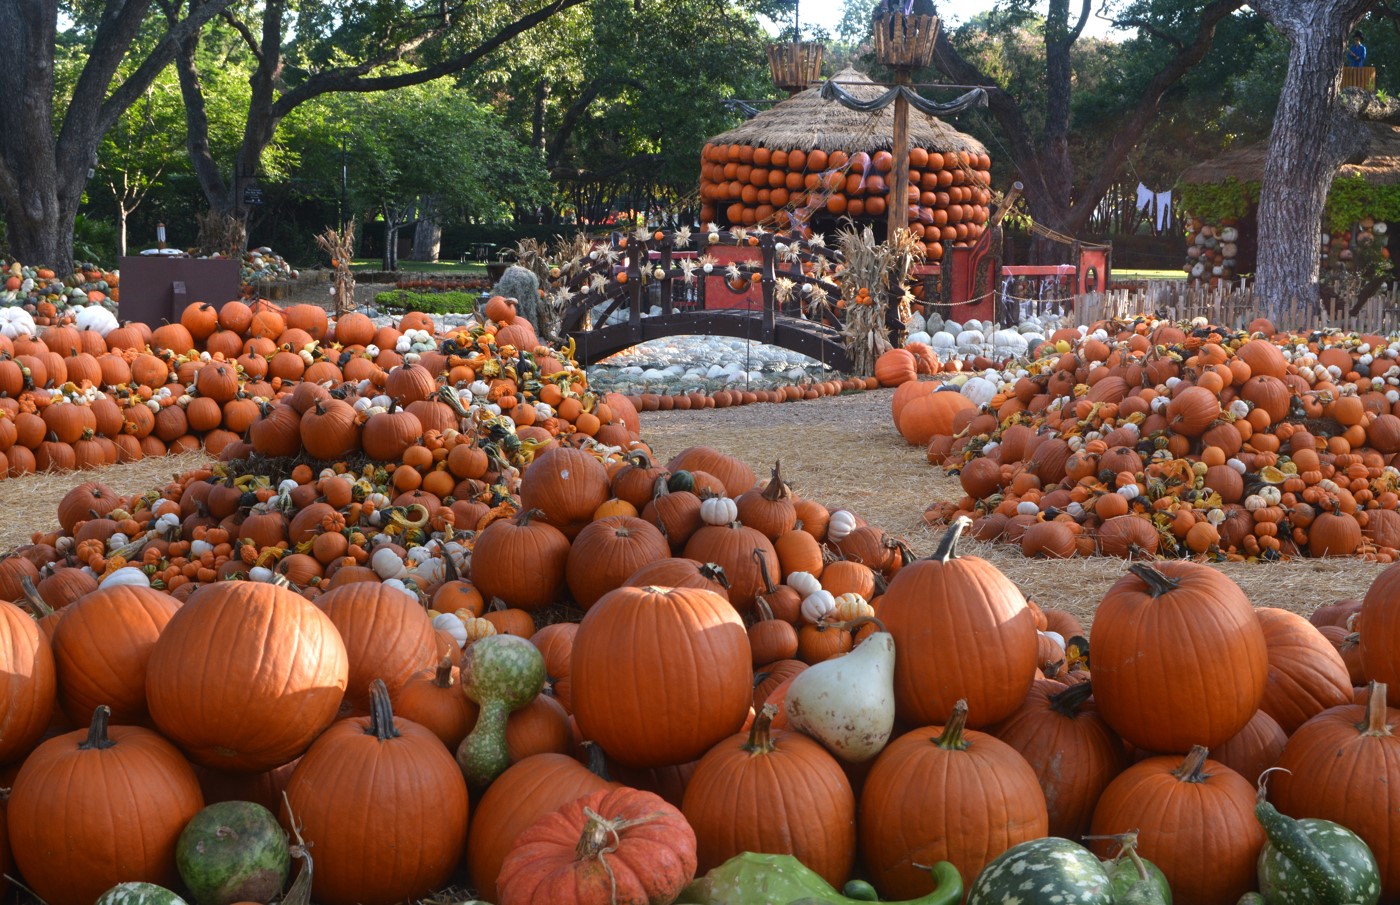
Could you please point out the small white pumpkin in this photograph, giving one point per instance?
(386, 564)
(804, 583)
(126, 576)
(719, 510)
(818, 606)
(841, 524)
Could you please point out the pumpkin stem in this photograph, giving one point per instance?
(765, 612)
(948, 546)
(715, 572)
(36, 603)
(1158, 584)
(951, 739)
(442, 678)
(760, 736)
(776, 490)
(597, 760)
(638, 458)
(1375, 724)
(525, 516)
(1069, 702)
(381, 715)
(1192, 769)
(97, 730)
(758, 557)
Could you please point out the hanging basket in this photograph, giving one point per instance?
(905, 42)
(795, 65)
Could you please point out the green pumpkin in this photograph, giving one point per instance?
(139, 894)
(1312, 861)
(502, 673)
(1045, 871)
(233, 851)
(680, 482)
(755, 879)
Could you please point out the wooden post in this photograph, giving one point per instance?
(899, 191)
(768, 284)
(635, 250)
(668, 301)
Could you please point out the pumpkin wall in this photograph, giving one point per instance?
(744, 185)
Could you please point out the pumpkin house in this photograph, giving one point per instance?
(807, 162)
(1220, 198)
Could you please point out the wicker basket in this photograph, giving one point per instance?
(795, 65)
(905, 42)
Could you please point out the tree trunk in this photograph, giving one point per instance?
(1312, 136)
(121, 231)
(391, 244)
(427, 240)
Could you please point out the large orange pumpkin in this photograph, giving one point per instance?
(567, 485)
(945, 794)
(963, 631)
(388, 636)
(660, 675)
(100, 806)
(923, 417)
(27, 681)
(384, 806)
(246, 675)
(1179, 657)
(1187, 813)
(101, 649)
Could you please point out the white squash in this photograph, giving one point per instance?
(847, 703)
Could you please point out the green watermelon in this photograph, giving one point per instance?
(233, 851)
(1046, 871)
(139, 894)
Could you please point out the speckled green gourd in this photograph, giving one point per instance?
(1133, 880)
(1041, 872)
(755, 879)
(1313, 861)
(502, 673)
(233, 851)
(139, 894)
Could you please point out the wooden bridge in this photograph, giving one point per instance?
(763, 292)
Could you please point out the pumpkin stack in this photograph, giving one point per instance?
(1144, 438)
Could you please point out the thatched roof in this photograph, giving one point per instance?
(806, 121)
(1379, 164)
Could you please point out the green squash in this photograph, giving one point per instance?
(138, 894)
(502, 673)
(1046, 871)
(1313, 861)
(1133, 880)
(681, 482)
(754, 879)
(233, 851)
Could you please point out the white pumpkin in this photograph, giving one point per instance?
(804, 583)
(841, 524)
(386, 564)
(818, 606)
(979, 390)
(96, 318)
(719, 510)
(127, 576)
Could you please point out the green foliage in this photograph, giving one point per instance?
(1353, 198)
(1217, 202)
(94, 241)
(428, 302)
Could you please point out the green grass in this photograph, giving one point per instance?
(477, 268)
(1125, 275)
(428, 302)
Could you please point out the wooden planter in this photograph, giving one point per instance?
(905, 42)
(795, 65)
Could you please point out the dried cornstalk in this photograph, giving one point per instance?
(221, 234)
(340, 246)
(562, 271)
(883, 269)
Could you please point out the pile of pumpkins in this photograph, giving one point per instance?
(43, 293)
(793, 392)
(630, 682)
(261, 378)
(1143, 438)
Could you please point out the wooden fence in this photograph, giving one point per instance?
(1233, 305)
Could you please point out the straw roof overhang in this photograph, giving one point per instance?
(1379, 164)
(807, 121)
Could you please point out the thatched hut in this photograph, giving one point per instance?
(808, 159)
(1221, 198)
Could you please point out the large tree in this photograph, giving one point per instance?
(304, 51)
(1313, 136)
(1179, 33)
(49, 142)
